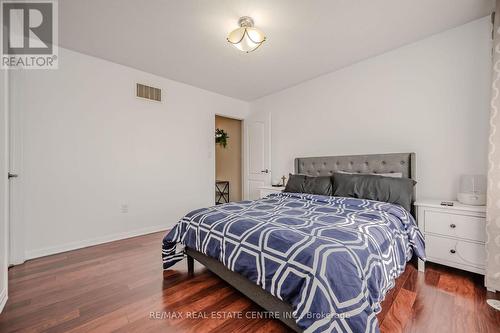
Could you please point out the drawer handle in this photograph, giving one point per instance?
(452, 251)
(453, 226)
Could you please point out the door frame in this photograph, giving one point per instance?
(242, 149)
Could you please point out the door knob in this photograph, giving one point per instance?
(265, 171)
(453, 226)
(452, 251)
(12, 175)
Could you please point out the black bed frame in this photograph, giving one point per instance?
(314, 166)
(280, 310)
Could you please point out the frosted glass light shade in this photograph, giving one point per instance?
(472, 190)
(247, 38)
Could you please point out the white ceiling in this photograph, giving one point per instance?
(185, 40)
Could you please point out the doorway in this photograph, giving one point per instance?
(228, 160)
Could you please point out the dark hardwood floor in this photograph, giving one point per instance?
(120, 287)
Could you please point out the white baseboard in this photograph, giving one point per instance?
(93, 241)
(3, 299)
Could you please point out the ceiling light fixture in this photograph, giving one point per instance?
(247, 38)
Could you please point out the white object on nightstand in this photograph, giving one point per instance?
(454, 235)
(266, 190)
(472, 190)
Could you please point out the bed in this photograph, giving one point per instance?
(317, 263)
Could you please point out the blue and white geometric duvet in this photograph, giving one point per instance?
(333, 259)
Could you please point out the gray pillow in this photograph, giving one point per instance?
(386, 189)
(321, 185)
(295, 183)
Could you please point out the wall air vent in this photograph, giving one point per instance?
(148, 92)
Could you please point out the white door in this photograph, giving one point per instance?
(4, 188)
(258, 151)
(16, 225)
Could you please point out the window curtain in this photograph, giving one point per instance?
(493, 194)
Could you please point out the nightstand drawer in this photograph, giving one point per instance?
(454, 251)
(454, 225)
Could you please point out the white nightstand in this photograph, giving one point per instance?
(454, 236)
(266, 190)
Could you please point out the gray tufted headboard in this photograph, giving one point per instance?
(377, 163)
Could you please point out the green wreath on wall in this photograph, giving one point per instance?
(221, 137)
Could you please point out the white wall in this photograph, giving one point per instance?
(90, 146)
(3, 187)
(430, 97)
